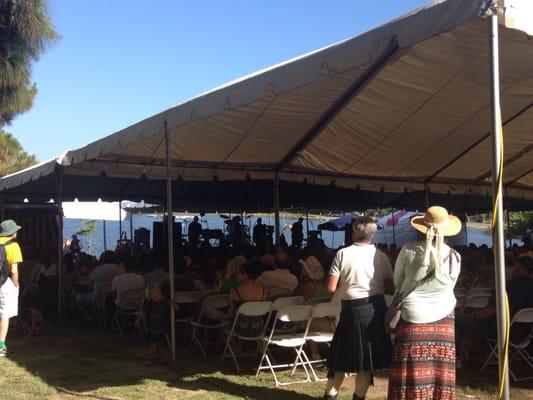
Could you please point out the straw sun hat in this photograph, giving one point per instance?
(438, 217)
(312, 268)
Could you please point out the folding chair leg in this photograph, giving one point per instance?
(278, 383)
(263, 355)
(299, 356)
(489, 358)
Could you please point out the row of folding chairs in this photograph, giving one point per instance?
(290, 329)
(518, 351)
(285, 323)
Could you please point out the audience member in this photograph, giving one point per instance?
(130, 280)
(277, 280)
(157, 274)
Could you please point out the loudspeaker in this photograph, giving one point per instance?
(142, 237)
(160, 235)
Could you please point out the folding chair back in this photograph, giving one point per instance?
(131, 300)
(297, 313)
(188, 297)
(323, 310)
(525, 316)
(460, 301)
(254, 308)
(480, 291)
(211, 304)
(318, 300)
(460, 291)
(283, 302)
(477, 300)
(273, 293)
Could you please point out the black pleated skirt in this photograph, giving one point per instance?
(360, 342)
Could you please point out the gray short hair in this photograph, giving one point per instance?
(364, 228)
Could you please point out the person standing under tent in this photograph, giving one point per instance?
(297, 233)
(194, 231)
(259, 235)
(423, 358)
(10, 257)
(360, 275)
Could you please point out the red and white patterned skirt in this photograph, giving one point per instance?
(423, 361)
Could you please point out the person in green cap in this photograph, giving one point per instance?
(10, 257)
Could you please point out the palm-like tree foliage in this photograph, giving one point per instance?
(25, 33)
(12, 156)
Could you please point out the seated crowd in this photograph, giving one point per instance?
(245, 274)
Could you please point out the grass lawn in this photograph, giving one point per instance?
(70, 364)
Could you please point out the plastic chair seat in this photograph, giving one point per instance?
(286, 340)
(320, 337)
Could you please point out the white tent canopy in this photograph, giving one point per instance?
(403, 107)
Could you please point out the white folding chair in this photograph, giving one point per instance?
(251, 309)
(477, 300)
(130, 305)
(480, 291)
(318, 300)
(295, 341)
(282, 302)
(320, 312)
(275, 292)
(474, 301)
(520, 349)
(100, 308)
(186, 300)
(460, 301)
(288, 301)
(206, 320)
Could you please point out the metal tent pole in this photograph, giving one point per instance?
(497, 234)
(393, 229)
(276, 209)
(105, 234)
(60, 271)
(131, 225)
(2, 206)
(466, 228)
(307, 223)
(508, 217)
(120, 219)
(170, 238)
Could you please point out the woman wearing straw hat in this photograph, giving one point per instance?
(423, 361)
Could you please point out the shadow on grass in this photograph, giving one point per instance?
(470, 378)
(90, 361)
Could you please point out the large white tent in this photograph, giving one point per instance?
(409, 107)
(402, 108)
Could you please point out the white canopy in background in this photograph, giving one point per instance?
(403, 107)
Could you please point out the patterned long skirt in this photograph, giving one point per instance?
(423, 361)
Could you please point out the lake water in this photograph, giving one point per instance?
(211, 221)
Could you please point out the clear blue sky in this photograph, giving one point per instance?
(121, 61)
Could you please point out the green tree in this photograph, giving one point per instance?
(87, 230)
(12, 156)
(519, 222)
(26, 32)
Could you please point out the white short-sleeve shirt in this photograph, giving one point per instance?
(362, 271)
